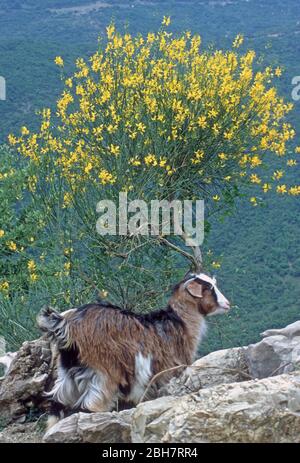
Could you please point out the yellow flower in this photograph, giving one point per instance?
(12, 246)
(266, 187)
(253, 201)
(150, 37)
(255, 161)
(88, 168)
(12, 140)
(150, 160)
(238, 41)
(114, 149)
(110, 30)
(166, 21)
(67, 200)
(294, 190)
(281, 189)
(2, 233)
(4, 286)
(68, 251)
(31, 265)
(24, 131)
(202, 122)
(213, 113)
(278, 174)
(291, 162)
(278, 72)
(69, 83)
(141, 127)
(106, 177)
(103, 293)
(59, 61)
(199, 154)
(135, 161)
(243, 161)
(255, 179)
(67, 265)
(216, 198)
(216, 264)
(33, 277)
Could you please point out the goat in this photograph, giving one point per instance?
(108, 354)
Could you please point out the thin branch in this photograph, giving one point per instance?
(225, 370)
(89, 281)
(280, 367)
(176, 248)
(154, 378)
(197, 259)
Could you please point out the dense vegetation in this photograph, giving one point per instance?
(261, 265)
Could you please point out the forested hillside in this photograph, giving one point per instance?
(259, 247)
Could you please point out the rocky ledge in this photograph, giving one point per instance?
(244, 394)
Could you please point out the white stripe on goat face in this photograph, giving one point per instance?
(221, 299)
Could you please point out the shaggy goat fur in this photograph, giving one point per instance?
(107, 353)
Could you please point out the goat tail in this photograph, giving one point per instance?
(54, 325)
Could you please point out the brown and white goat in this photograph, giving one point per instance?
(108, 354)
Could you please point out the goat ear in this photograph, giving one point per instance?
(194, 288)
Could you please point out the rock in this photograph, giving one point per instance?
(266, 410)
(29, 375)
(290, 331)
(16, 433)
(6, 360)
(221, 367)
(277, 353)
(110, 427)
(217, 399)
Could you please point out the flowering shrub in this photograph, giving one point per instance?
(158, 113)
